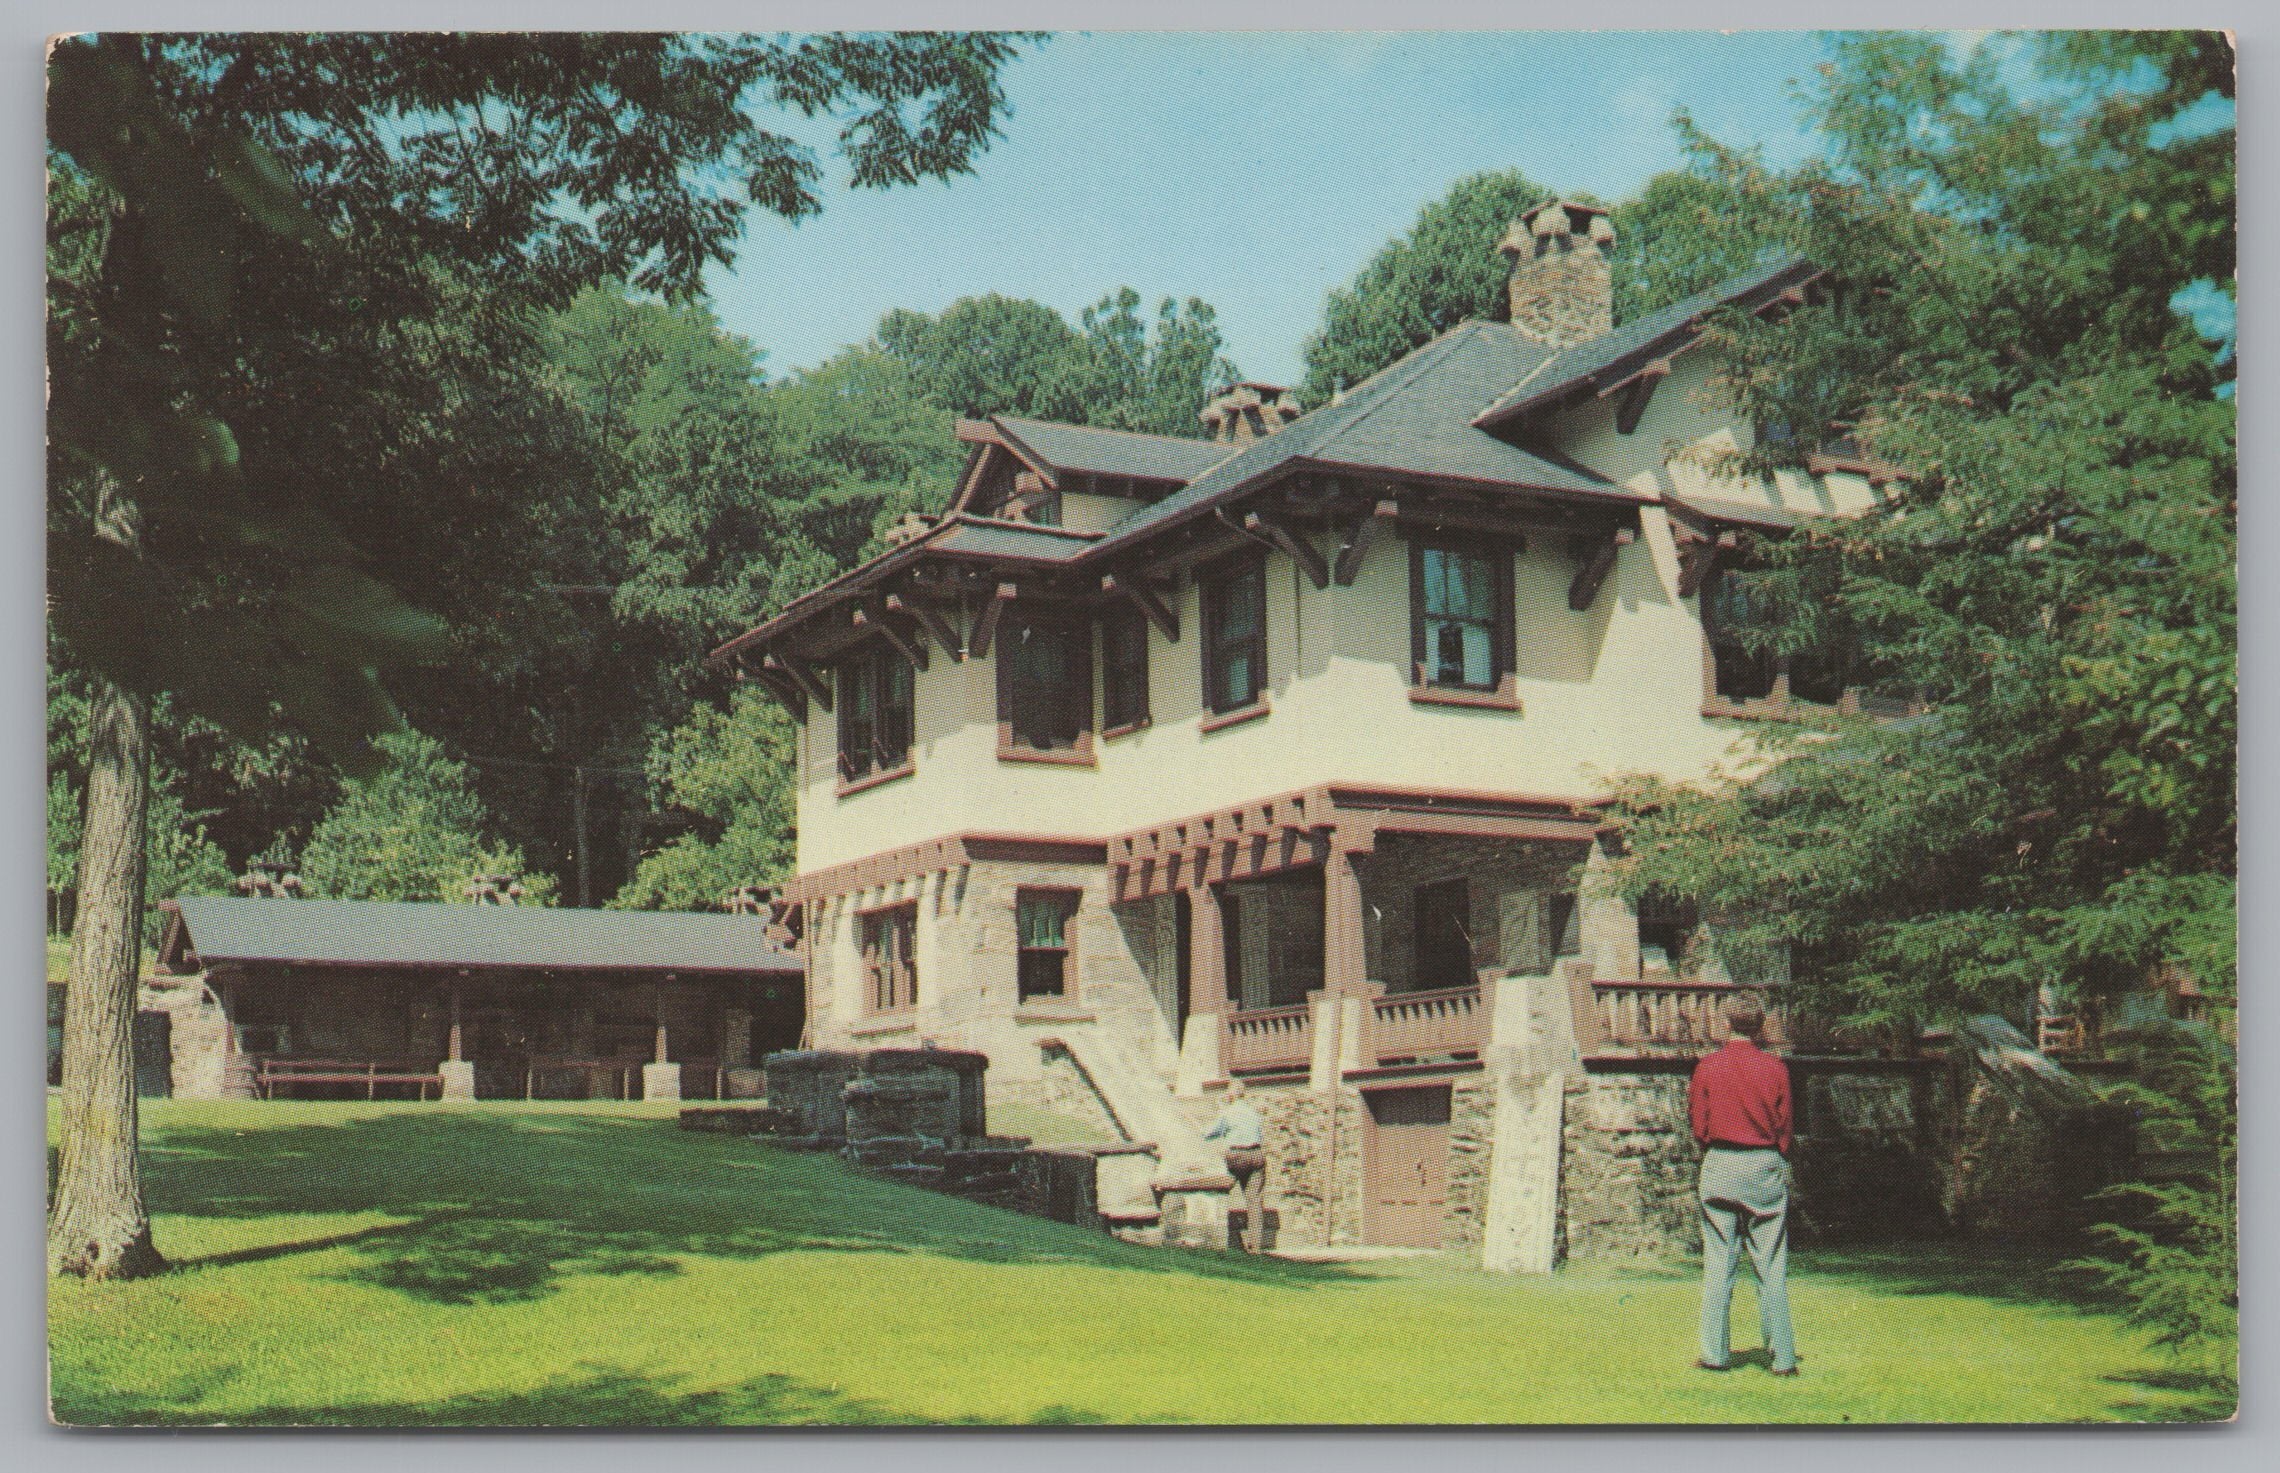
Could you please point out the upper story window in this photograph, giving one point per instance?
(1235, 635)
(1045, 704)
(1123, 670)
(875, 713)
(1743, 670)
(1041, 920)
(1460, 628)
(889, 940)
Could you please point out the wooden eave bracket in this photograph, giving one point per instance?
(1280, 535)
(1360, 538)
(986, 622)
(930, 619)
(802, 675)
(1584, 590)
(1698, 552)
(1636, 391)
(875, 617)
(1149, 601)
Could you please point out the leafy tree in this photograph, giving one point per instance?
(988, 355)
(2055, 578)
(731, 771)
(253, 239)
(412, 831)
(1131, 378)
(1444, 270)
(1002, 355)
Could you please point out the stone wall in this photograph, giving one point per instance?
(2021, 1175)
(1060, 1087)
(1627, 1168)
(198, 1038)
(1472, 1129)
(1509, 887)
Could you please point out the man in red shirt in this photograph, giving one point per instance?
(1739, 1105)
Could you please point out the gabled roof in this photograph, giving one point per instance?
(399, 933)
(1616, 355)
(1096, 451)
(1441, 413)
(1414, 418)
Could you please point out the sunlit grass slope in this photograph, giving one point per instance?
(399, 1264)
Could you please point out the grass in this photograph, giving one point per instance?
(393, 1265)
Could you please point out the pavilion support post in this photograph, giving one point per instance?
(457, 1069)
(1201, 1042)
(660, 1078)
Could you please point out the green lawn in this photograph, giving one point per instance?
(392, 1265)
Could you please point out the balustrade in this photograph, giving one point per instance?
(1269, 1040)
(1448, 1023)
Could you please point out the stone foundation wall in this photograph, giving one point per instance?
(1472, 1129)
(1627, 1168)
(1060, 1087)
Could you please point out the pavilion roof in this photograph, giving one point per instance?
(398, 933)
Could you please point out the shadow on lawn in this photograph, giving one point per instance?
(2008, 1275)
(504, 1206)
(602, 1396)
(2209, 1397)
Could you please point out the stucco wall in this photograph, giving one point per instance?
(1616, 687)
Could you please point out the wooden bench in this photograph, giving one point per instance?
(371, 1073)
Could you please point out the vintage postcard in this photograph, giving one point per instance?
(1469, 705)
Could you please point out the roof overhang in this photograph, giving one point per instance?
(1780, 293)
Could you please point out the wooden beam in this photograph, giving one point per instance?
(930, 619)
(1147, 600)
(986, 623)
(786, 693)
(876, 618)
(1585, 589)
(1697, 555)
(1360, 538)
(1294, 545)
(801, 674)
(1637, 392)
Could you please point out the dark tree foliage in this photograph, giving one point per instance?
(2054, 578)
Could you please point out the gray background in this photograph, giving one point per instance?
(27, 1442)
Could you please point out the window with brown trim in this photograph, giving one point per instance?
(875, 713)
(890, 958)
(1743, 669)
(1460, 614)
(1041, 926)
(1123, 670)
(1235, 634)
(1045, 699)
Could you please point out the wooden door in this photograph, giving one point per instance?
(1408, 1167)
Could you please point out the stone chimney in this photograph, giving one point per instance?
(1563, 290)
(495, 890)
(1241, 413)
(270, 878)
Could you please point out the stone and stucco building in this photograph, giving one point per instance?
(1274, 754)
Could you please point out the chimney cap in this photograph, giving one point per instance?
(1574, 218)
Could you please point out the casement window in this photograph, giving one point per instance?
(875, 714)
(1235, 635)
(1460, 615)
(890, 958)
(1443, 935)
(1045, 703)
(1123, 670)
(1741, 670)
(1041, 923)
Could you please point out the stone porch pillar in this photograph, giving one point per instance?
(457, 1070)
(1345, 958)
(1200, 1061)
(660, 1078)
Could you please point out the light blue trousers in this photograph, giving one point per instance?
(1745, 1210)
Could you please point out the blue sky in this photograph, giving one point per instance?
(1253, 169)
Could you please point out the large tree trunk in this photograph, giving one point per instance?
(97, 1226)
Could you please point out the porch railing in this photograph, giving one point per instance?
(1269, 1040)
(1405, 1026)
(1673, 1014)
